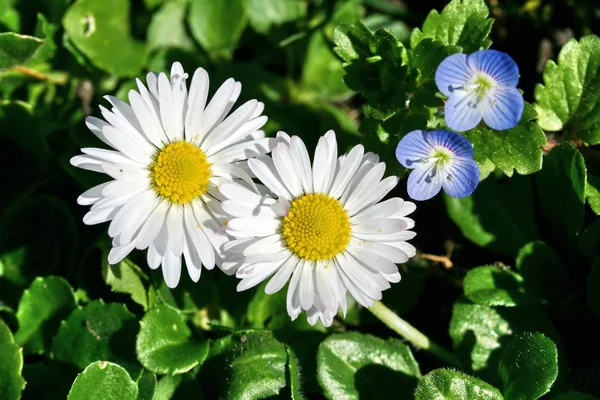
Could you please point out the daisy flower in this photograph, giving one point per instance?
(325, 231)
(482, 85)
(439, 159)
(171, 150)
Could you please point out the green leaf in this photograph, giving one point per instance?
(322, 71)
(126, 277)
(11, 364)
(492, 286)
(178, 387)
(103, 380)
(267, 14)
(561, 188)
(167, 28)
(543, 273)
(462, 23)
(454, 385)
(100, 30)
(146, 384)
(529, 366)
(164, 344)
(47, 301)
(592, 193)
(479, 332)
(294, 376)
(499, 215)
(570, 99)
(517, 149)
(218, 25)
(249, 365)
(17, 49)
(351, 365)
(427, 56)
(98, 331)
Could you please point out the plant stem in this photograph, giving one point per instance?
(411, 334)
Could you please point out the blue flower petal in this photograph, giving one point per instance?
(463, 111)
(412, 148)
(423, 183)
(452, 73)
(503, 109)
(500, 66)
(462, 177)
(456, 143)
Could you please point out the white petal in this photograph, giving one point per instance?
(268, 244)
(220, 137)
(378, 211)
(282, 158)
(320, 164)
(178, 84)
(261, 273)
(87, 162)
(265, 169)
(167, 108)
(378, 226)
(148, 119)
(153, 257)
(153, 225)
(282, 276)
(373, 196)
(293, 296)
(243, 151)
(140, 151)
(171, 268)
(215, 109)
(192, 259)
(101, 215)
(373, 260)
(368, 183)
(117, 254)
(96, 125)
(252, 227)
(91, 195)
(307, 286)
(348, 168)
(175, 230)
(118, 188)
(302, 161)
(199, 240)
(196, 103)
(124, 110)
(325, 284)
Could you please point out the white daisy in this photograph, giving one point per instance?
(326, 229)
(171, 150)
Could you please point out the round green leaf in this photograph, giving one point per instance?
(47, 301)
(98, 331)
(352, 365)
(168, 30)
(499, 215)
(529, 366)
(103, 380)
(542, 271)
(453, 385)
(100, 30)
(146, 385)
(11, 364)
(17, 49)
(561, 188)
(266, 14)
(493, 286)
(164, 344)
(218, 25)
(249, 365)
(478, 333)
(126, 277)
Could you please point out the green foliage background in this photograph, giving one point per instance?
(519, 304)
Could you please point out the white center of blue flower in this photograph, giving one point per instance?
(438, 164)
(478, 87)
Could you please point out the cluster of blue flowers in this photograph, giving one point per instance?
(479, 86)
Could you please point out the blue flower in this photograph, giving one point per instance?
(480, 85)
(440, 159)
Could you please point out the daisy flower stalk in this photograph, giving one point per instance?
(170, 150)
(482, 85)
(325, 230)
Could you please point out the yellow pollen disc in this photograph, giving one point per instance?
(317, 227)
(180, 172)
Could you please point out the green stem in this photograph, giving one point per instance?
(411, 334)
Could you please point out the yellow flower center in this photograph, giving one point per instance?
(317, 227)
(180, 172)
